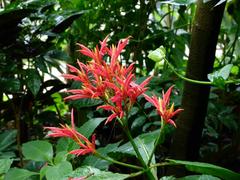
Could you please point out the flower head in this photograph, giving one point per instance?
(109, 81)
(162, 105)
(70, 132)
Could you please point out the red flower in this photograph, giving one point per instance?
(110, 82)
(162, 106)
(70, 132)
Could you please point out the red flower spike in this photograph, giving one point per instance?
(162, 106)
(70, 132)
(110, 82)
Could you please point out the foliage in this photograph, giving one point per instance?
(38, 38)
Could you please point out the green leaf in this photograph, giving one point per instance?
(210, 169)
(100, 163)
(158, 54)
(59, 171)
(65, 23)
(199, 177)
(7, 138)
(5, 164)
(33, 81)
(95, 174)
(88, 127)
(60, 157)
(223, 73)
(10, 84)
(19, 174)
(178, 2)
(38, 150)
(144, 142)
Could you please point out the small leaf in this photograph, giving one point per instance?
(19, 174)
(5, 164)
(225, 71)
(206, 168)
(38, 151)
(158, 54)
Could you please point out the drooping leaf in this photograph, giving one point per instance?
(206, 168)
(5, 164)
(65, 23)
(19, 174)
(38, 150)
(95, 174)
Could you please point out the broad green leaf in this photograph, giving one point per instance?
(7, 138)
(38, 150)
(5, 164)
(210, 169)
(59, 171)
(88, 127)
(33, 81)
(95, 174)
(100, 163)
(144, 142)
(19, 174)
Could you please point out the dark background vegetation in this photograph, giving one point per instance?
(37, 39)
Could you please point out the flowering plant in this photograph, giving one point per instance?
(105, 78)
(114, 84)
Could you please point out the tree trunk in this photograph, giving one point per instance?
(187, 138)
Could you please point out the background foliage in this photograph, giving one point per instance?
(39, 37)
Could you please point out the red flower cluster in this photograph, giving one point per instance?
(162, 106)
(70, 132)
(111, 82)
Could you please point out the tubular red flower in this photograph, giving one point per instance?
(86, 146)
(110, 82)
(162, 106)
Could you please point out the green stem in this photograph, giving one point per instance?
(157, 141)
(148, 172)
(97, 154)
(196, 81)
